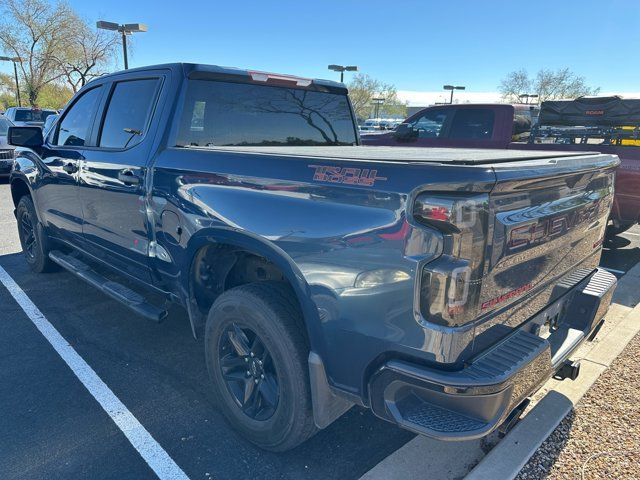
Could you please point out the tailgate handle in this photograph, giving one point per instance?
(127, 177)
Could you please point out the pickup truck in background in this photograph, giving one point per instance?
(27, 116)
(560, 126)
(438, 287)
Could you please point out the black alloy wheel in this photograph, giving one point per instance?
(249, 373)
(28, 235)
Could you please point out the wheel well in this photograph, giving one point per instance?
(220, 267)
(18, 190)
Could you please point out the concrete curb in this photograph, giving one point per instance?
(508, 457)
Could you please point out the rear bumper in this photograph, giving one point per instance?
(472, 402)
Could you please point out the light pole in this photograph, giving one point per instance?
(125, 29)
(452, 88)
(15, 61)
(342, 69)
(377, 102)
(527, 96)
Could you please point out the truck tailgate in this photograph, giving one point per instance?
(546, 225)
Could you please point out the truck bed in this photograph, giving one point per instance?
(456, 156)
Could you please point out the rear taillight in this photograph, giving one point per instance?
(450, 285)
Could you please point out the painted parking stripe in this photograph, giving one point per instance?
(150, 450)
(613, 270)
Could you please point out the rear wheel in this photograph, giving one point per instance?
(33, 240)
(257, 361)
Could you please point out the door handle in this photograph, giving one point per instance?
(127, 177)
(70, 167)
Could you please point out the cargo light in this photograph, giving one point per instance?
(277, 78)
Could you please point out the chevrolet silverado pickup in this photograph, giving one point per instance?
(604, 124)
(438, 287)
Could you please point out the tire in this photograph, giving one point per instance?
(255, 330)
(34, 241)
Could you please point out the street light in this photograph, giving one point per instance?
(125, 29)
(527, 96)
(377, 102)
(342, 69)
(452, 88)
(15, 60)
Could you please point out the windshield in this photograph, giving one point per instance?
(239, 114)
(32, 115)
(4, 126)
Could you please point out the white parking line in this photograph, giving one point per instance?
(150, 450)
(613, 270)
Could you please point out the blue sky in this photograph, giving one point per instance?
(416, 45)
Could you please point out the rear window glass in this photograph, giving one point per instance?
(32, 115)
(237, 114)
(472, 123)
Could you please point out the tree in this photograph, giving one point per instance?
(88, 55)
(547, 84)
(54, 95)
(34, 31)
(562, 83)
(7, 91)
(363, 89)
(515, 84)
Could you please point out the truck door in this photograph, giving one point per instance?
(113, 175)
(463, 126)
(57, 194)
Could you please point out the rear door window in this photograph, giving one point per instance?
(472, 123)
(74, 128)
(32, 115)
(128, 113)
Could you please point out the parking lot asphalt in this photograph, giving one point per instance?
(51, 427)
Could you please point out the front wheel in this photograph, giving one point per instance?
(257, 358)
(33, 240)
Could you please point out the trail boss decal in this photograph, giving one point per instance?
(347, 175)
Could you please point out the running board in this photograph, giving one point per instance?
(117, 291)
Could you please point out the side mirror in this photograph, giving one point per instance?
(30, 137)
(405, 133)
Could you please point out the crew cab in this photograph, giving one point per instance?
(438, 287)
(510, 126)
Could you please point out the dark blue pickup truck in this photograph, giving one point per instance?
(439, 287)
